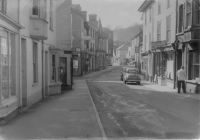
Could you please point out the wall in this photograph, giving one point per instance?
(63, 25)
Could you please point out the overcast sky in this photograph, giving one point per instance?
(113, 13)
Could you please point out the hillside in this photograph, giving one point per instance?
(126, 34)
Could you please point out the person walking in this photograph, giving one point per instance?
(181, 75)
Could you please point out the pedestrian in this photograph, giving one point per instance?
(181, 75)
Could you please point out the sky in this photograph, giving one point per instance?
(113, 13)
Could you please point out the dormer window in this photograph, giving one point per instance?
(3, 6)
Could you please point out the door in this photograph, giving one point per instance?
(179, 59)
(63, 72)
(24, 72)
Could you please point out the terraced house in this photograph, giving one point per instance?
(188, 41)
(31, 64)
(9, 57)
(159, 26)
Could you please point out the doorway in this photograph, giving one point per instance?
(63, 72)
(24, 72)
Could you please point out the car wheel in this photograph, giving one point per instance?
(138, 83)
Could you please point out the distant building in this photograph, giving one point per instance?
(78, 19)
(136, 46)
(121, 53)
(110, 45)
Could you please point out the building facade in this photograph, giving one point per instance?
(188, 41)
(136, 45)
(63, 48)
(78, 19)
(158, 38)
(31, 66)
(10, 57)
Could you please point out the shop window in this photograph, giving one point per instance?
(3, 5)
(194, 61)
(7, 65)
(35, 62)
(53, 68)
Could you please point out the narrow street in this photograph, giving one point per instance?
(137, 111)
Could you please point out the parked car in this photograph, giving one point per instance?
(132, 76)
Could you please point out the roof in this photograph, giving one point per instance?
(145, 5)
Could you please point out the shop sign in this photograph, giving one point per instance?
(158, 44)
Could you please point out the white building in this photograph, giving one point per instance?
(31, 67)
(159, 26)
(9, 57)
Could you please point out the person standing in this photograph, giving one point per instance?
(181, 75)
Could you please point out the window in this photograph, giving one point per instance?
(53, 65)
(35, 10)
(181, 14)
(51, 15)
(145, 18)
(168, 3)
(149, 41)
(168, 28)
(150, 12)
(35, 62)
(40, 8)
(7, 65)
(3, 5)
(188, 13)
(196, 17)
(159, 7)
(158, 31)
(194, 65)
(145, 40)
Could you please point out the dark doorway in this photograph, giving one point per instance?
(63, 72)
(179, 59)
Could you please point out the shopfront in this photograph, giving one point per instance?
(8, 71)
(190, 56)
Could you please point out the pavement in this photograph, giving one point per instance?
(71, 115)
(168, 89)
